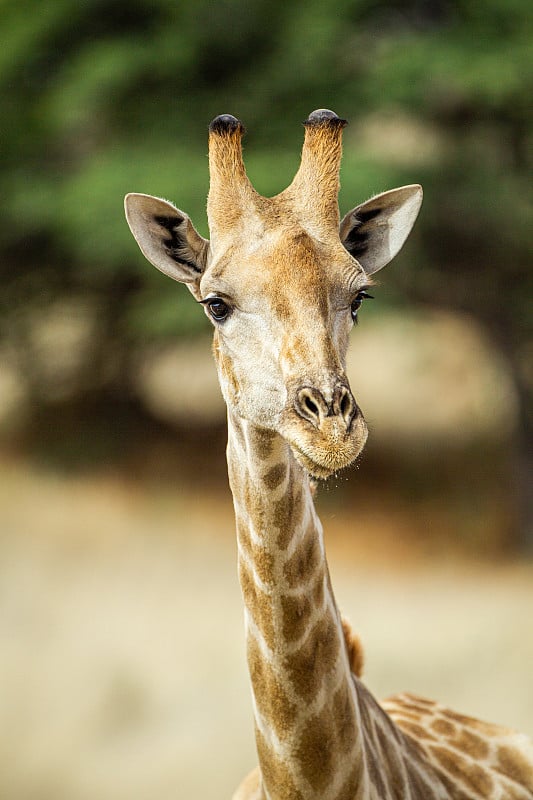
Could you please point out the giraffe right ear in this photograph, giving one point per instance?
(167, 238)
(375, 231)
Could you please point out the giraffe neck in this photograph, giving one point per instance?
(306, 712)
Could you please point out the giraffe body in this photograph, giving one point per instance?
(282, 279)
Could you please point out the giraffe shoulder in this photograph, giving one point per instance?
(486, 759)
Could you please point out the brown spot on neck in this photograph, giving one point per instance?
(316, 754)
(275, 476)
(305, 560)
(258, 605)
(257, 554)
(272, 700)
(262, 440)
(316, 656)
(277, 777)
(295, 615)
(287, 513)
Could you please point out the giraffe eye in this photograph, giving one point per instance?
(218, 309)
(356, 303)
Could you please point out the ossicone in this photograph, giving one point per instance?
(323, 116)
(226, 123)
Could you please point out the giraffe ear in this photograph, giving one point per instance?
(167, 238)
(375, 231)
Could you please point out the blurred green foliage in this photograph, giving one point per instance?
(102, 97)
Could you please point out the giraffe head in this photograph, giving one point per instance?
(282, 280)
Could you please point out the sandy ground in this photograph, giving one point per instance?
(122, 668)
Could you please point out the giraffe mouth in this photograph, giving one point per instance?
(314, 469)
(322, 456)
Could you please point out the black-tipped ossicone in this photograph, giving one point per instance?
(323, 116)
(225, 123)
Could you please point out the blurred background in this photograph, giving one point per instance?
(122, 669)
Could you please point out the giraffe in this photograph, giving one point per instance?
(282, 280)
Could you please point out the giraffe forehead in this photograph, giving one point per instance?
(287, 269)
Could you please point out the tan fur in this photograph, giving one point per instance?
(286, 274)
(356, 655)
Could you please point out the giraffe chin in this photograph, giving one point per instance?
(314, 469)
(324, 458)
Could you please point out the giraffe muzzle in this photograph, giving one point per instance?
(325, 429)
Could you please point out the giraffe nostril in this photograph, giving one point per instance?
(311, 405)
(347, 406)
(344, 404)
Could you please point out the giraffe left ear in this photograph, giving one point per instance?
(375, 231)
(167, 238)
